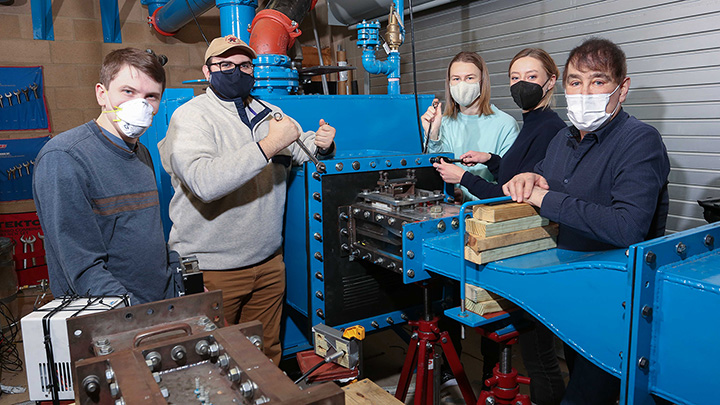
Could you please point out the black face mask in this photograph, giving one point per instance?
(527, 95)
(237, 84)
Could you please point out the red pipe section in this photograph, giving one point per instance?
(273, 32)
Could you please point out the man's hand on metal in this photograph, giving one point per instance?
(522, 187)
(449, 172)
(325, 135)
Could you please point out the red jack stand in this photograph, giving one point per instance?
(421, 350)
(505, 383)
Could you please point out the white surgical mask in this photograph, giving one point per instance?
(587, 111)
(133, 116)
(465, 93)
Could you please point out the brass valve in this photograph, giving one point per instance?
(393, 35)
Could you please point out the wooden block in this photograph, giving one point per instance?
(503, 212)
(366, 392)
(479, 243)
(479, 294)
(509, 251)
(485, 228)
(488, 307)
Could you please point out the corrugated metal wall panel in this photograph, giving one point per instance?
(673, 50)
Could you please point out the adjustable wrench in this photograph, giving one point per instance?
(278, 117)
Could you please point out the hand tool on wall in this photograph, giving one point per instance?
(9, 97)
(25, 243)
(26, 165)
(31, 241)
(1, 103)
(34, 87)
(26, 92)
(19, 169)
(17, 96)
(278, 117)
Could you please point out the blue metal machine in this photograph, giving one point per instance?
(638, 313)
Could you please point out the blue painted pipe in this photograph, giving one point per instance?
(175, 14)
(153, 5)
(170, 16)
(236, 16)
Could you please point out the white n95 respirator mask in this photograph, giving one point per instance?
(133, 117)
(465, 93)
(587, 111)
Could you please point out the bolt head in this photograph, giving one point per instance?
(410, 273)
(650, 257)
(410, 254)
(410, 235)
(646, 311)
(643, 362)
(680, 248)
(709, 240)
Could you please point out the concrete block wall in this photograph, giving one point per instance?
(71, 63)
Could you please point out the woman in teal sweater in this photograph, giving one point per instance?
(469, 121)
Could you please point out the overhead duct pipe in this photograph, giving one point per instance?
(167, 17)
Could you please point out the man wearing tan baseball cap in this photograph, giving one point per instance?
(229, 162)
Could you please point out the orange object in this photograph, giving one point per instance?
(272, 32)
(356, 331)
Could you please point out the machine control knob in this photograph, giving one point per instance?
(178, 353)
(91, 385)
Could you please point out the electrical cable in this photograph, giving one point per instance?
(414, 67)
(196, 22)
(327, 359)
(9, 355)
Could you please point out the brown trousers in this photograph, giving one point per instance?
(254, 293)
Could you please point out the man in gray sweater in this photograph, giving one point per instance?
(95, 191)
(229, 159)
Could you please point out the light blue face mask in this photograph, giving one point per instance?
(465, 93)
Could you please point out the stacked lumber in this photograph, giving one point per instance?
(483, 302)
(497, 232)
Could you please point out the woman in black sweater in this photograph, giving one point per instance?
(532, 75)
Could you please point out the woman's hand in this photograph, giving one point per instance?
(432, 115)
(471, 158)
(449, 172)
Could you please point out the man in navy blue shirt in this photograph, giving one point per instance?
(603, 179)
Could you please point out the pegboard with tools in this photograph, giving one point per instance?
(22, 101)
(17, 165)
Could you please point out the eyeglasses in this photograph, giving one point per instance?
(229, 67)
